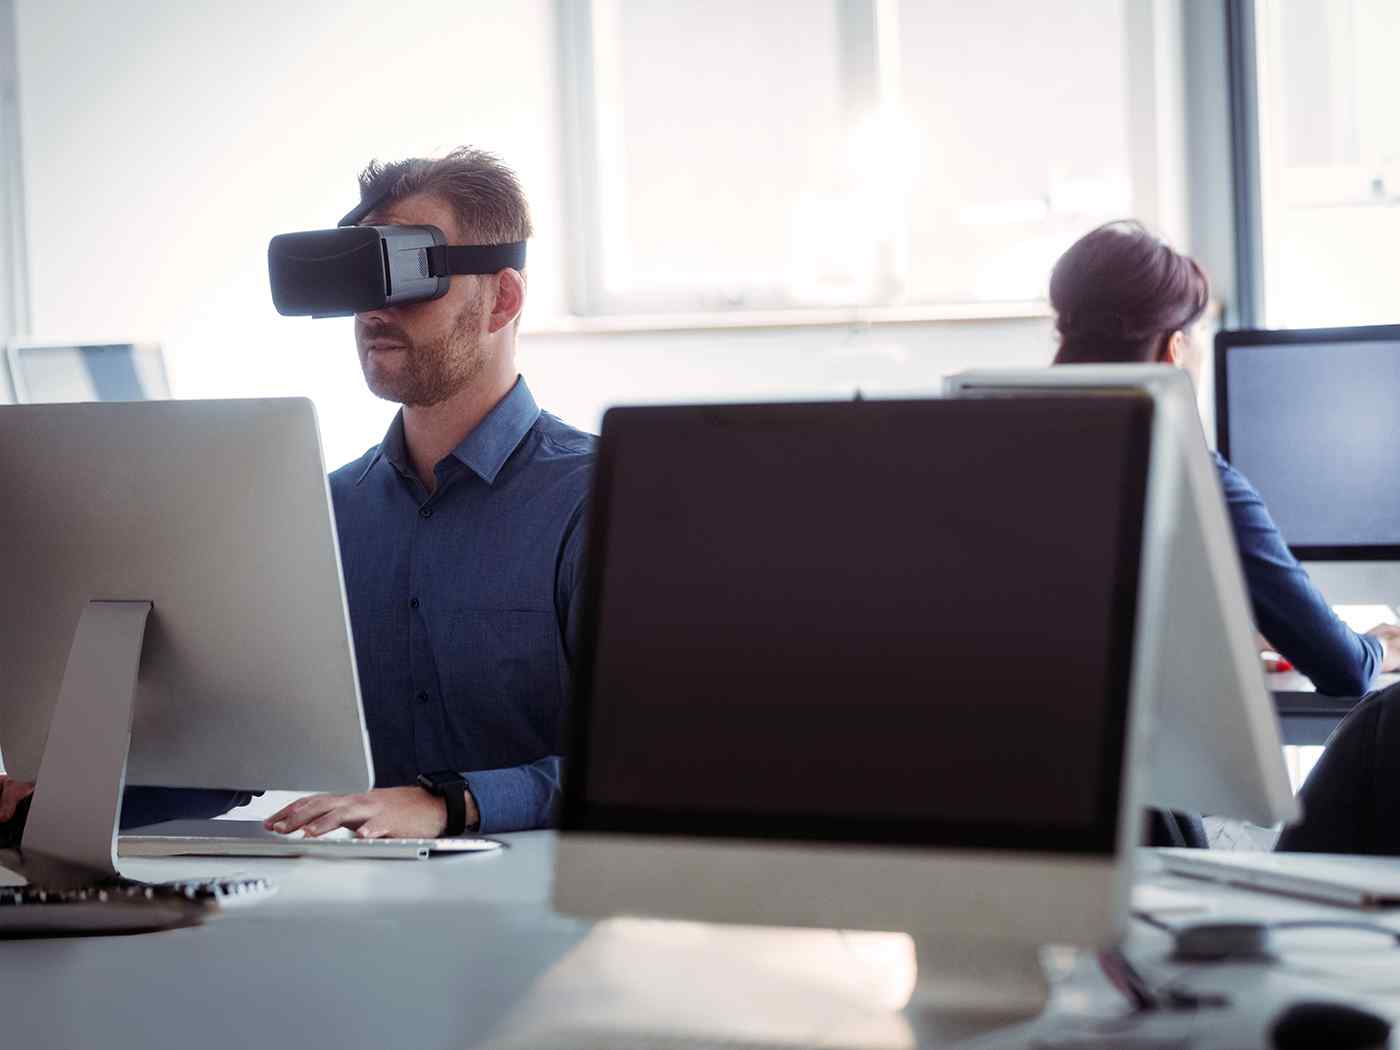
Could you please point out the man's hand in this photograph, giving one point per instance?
(1389, 637)
(401, 812)
(12, 793)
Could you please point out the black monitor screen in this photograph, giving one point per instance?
(1311, 420)
(879, 621)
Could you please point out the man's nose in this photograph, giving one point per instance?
(381, 318)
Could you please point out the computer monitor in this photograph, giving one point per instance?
(48, 373)
(171, 576)
(1309, 417)
(865, 665)
(1216, 746)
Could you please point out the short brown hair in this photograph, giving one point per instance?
(1119, 293)
(483, 193)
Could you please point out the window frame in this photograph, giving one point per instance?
(869, 31)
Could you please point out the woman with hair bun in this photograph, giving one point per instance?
(1122, 296)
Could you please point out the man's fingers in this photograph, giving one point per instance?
(303, 810)
(7, 802)
(374, 828)
(350, 815)
(12, 793)
(283, 813)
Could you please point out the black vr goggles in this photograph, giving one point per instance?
(351, 269)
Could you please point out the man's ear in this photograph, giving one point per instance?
(1174, 352)
(510, 298)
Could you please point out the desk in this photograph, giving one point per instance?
(1306, 716)
(464, 952)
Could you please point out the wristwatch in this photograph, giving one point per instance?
(452, 789)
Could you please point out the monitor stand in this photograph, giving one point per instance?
(70, 837)
(965, 986)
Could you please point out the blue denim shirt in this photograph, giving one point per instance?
(1288, 610)
(462, 605)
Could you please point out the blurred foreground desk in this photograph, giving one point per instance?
(464, 952)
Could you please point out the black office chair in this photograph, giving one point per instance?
(1169, 827)
(1351, 799)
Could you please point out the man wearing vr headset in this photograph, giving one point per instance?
(461, 532)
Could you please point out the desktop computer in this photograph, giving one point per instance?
(49, 372)
(1216, 746)
(172, 584)
(869, 665)
(1309, 417)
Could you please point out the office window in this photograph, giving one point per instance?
(735, 156)
(1022, 147)
(1329, 160)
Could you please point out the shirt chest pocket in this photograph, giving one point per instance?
(500, 669)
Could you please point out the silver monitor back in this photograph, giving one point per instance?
(1215, 741)
(112, 370)
(217, 512)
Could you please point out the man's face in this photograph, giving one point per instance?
(423, 353)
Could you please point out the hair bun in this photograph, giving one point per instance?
(1092, 324)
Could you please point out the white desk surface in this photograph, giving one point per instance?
(460, 952)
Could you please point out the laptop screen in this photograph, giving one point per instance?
(868, 621)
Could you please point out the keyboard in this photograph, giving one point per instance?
(121, 906)
(1356, 881)
(248, 838)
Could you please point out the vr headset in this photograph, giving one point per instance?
(353, 268)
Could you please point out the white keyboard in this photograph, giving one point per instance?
(248, 838)
(1360, 882)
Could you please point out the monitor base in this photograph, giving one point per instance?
(965, 986)
(70, 836)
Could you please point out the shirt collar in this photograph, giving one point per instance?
(485, 450)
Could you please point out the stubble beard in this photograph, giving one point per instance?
(429, 373)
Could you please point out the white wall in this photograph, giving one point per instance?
(576, 376)
(165, 142)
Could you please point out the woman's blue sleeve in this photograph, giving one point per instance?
(1288, 609)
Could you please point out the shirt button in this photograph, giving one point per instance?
(413, 603)
(422, 697)
(425, 512)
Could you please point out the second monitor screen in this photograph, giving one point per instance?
(1314, 427)
(911, 620)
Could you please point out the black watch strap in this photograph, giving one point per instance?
(452, 789)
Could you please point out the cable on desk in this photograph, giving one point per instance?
(1125, 977)
(1152, 920)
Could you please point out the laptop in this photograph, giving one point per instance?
(1354, 881)
(248, 838)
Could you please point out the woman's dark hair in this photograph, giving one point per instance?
(1120, 292)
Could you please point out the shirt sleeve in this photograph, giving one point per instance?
(522, 798)
(1288, 609)
(152, 805)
